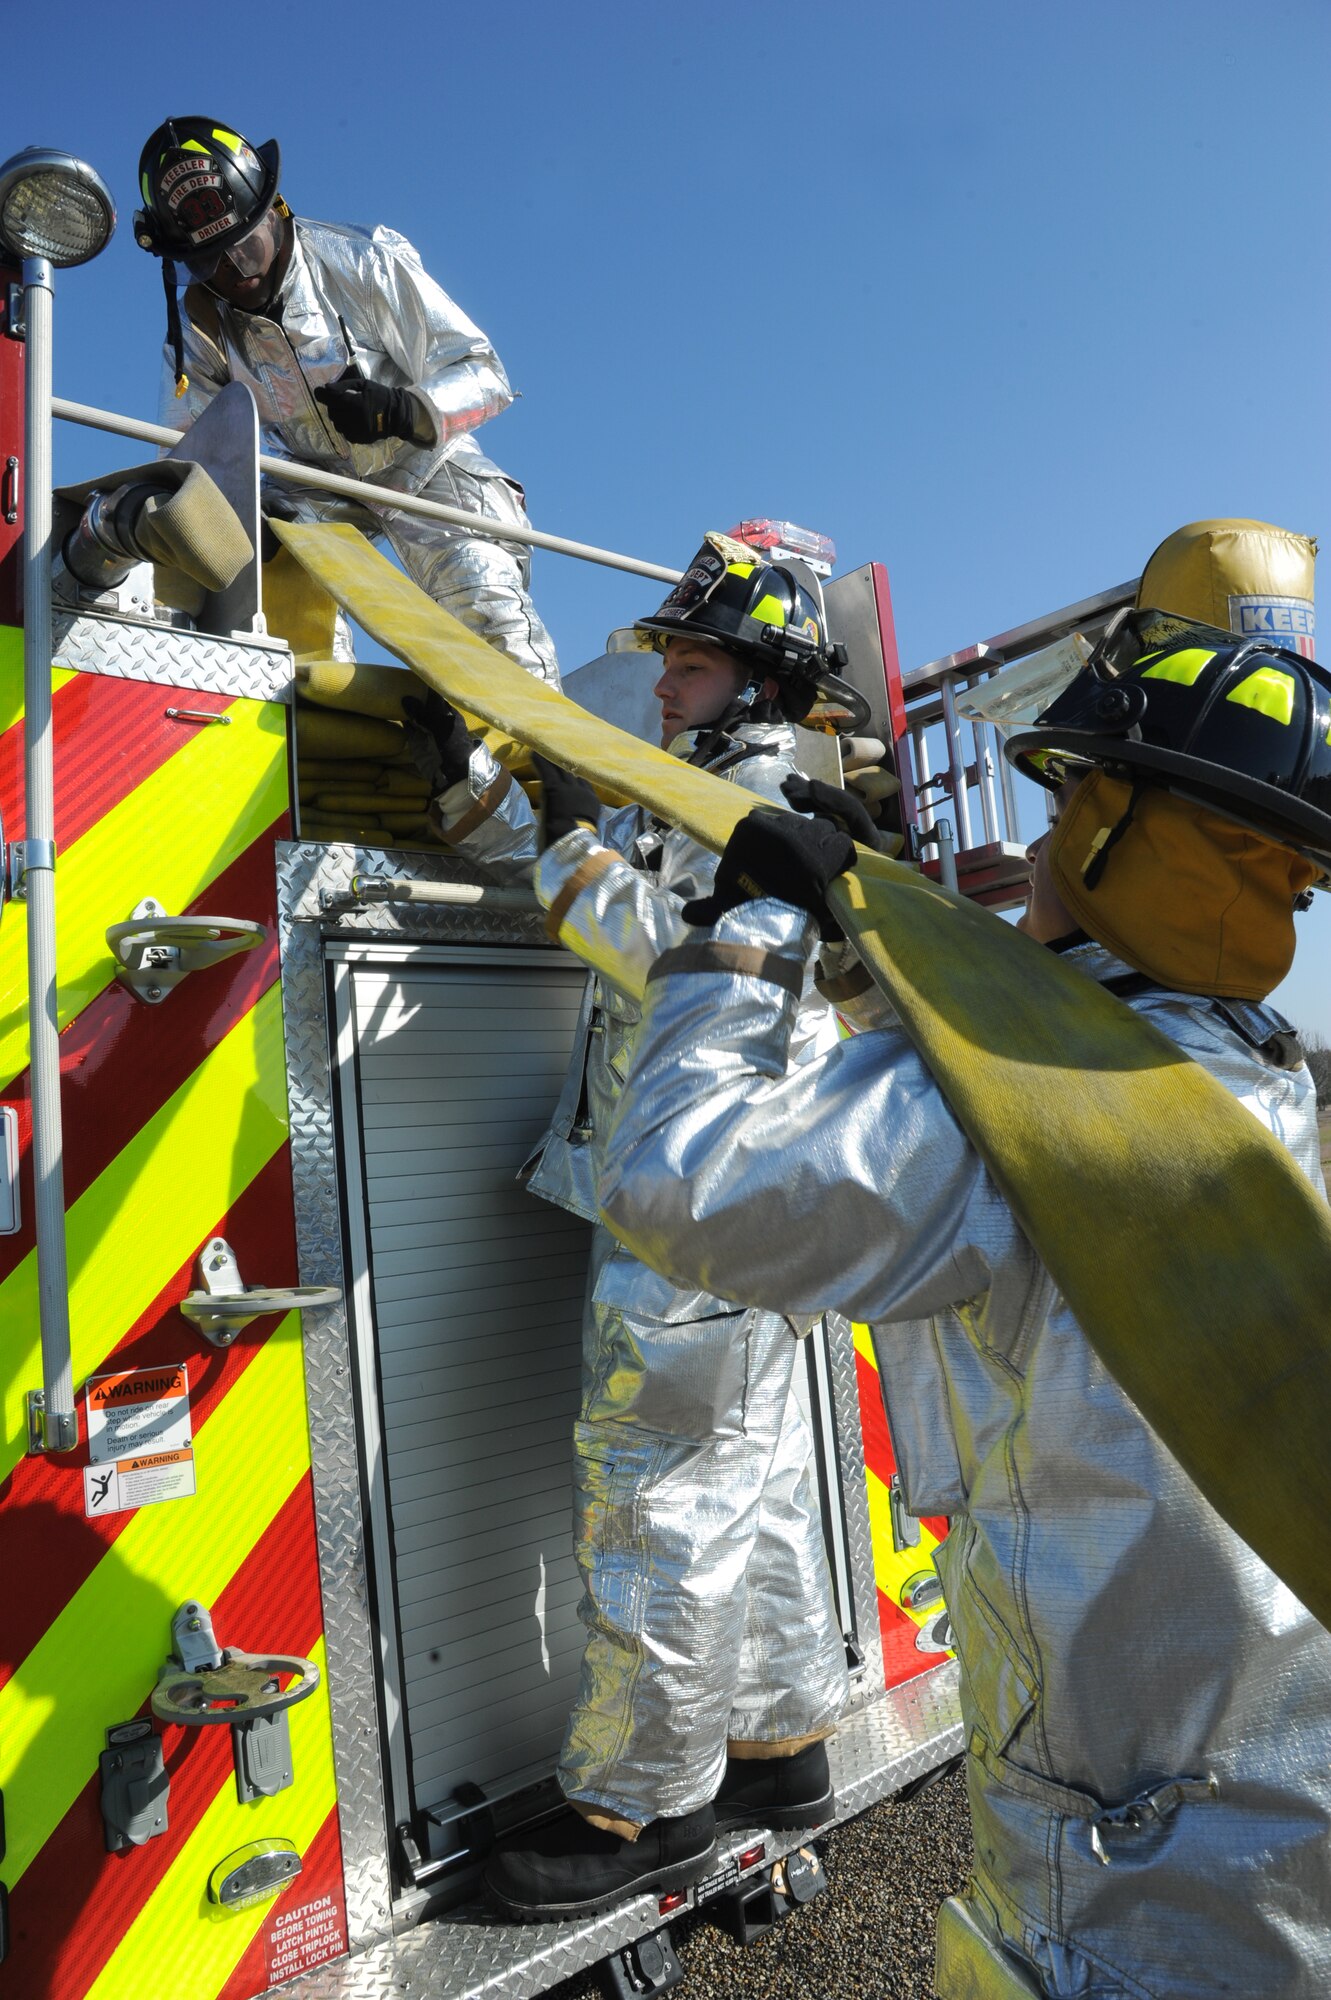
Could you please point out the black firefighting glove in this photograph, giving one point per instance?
(841, 808)
(367, 411)
(566, 801)
(783, 855)
(438, 740)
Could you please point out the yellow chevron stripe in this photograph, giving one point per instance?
(176, 1928)
(891, 1566)
(11, 676)
(170, 837)
(158, 1199)
(98, 1660)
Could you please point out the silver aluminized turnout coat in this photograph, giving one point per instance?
(1148, 1707)
(357, 297)
(708, 1603)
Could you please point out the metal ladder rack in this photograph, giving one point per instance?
(979, 848)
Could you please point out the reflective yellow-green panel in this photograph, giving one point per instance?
(170, 838)
(99, 1659)
(1184, 667)
(893, 1567)
(11, 677)
(1269, 691)
(177, 1925)
(155, 1204)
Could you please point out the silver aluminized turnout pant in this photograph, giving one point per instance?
(482, 582)
(707, 1598)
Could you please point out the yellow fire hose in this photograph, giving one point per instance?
(1190, 1248)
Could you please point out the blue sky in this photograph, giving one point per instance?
(997, 295)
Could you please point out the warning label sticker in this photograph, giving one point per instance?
(141, 1410)
(300, 1939)
(138, 1481)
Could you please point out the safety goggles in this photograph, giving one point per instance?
(246, 256)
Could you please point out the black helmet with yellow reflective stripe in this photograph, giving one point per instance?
(758, 611)
(203, 186)
(205, 189)
(1235, 724)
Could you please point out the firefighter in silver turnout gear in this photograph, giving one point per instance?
(1148, 1708)
(714, 1662)
(359, 363)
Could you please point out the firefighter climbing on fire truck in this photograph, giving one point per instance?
(358, 361)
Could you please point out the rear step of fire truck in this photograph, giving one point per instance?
(297, 1075)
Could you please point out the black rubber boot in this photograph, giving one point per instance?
(777, 1791)
(571, 1869)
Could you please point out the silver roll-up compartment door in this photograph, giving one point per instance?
(467, 1309)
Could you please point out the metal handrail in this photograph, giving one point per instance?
(368, 890)
(365, 490)
(930, 691)
(1005, 647)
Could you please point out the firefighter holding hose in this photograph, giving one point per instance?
(358, 362)
(1148, 1708)
(714, 1667)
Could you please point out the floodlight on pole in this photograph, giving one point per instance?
(54, 212)
(55, 207)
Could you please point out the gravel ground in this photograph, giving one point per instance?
(868, 1937)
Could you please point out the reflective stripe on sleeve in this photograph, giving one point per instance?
(588, 869)
(749, 960)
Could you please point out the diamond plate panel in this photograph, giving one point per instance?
(855, 1505)
(903, 1735)
(360, 1791)
(307, 872)
(97, 642)
(469, 1955)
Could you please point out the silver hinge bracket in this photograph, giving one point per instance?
(25, 856)
(49, 1433)
(193, 1640)
(227, 1304)
(154, 951)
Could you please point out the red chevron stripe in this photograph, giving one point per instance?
(878, 1453)
(120, 1059)
(901, 1661)
(320, 1876)
(109, 735)
(76, 1902)
(44, 1536)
